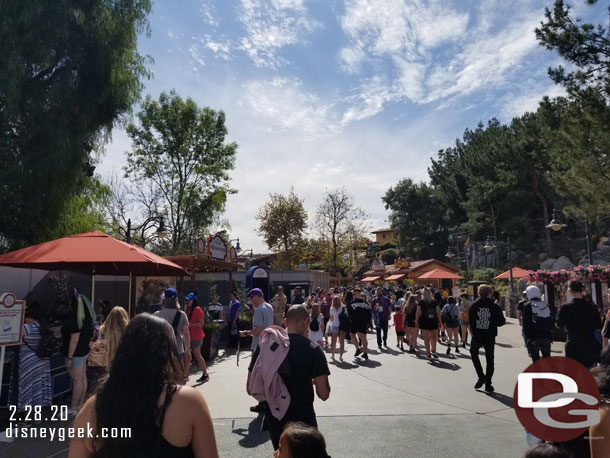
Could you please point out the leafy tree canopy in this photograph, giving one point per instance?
(283, 221)
(585, 45)
(68, 71)
(179, 149)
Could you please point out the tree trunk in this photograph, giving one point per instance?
(545, 212)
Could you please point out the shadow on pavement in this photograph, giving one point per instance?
(506, 400)
(444, 365)
(368, 363)
(253, 436)
(346, 364)
(503, 345)
(391, 351)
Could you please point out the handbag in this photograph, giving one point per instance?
(98, 352)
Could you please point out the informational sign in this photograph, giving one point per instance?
(260, 273)
(12, 313)
(217, 248)
(200, 246)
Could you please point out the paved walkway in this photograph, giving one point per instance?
(394, 405)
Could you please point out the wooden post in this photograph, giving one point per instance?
(549, 293)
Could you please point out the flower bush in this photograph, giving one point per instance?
(587, 274)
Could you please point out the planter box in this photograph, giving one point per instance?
(209, 346)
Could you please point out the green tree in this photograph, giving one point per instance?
(68, 71)
(417, 213)
(580, 167)
(283, 221)
(341, 222)
(180, 148)
(85, 210)
(584, 45)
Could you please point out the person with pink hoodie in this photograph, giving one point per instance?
(302, 369)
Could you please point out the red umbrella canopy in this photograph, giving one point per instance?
(518, 272)
(440, 274)
(90, 252)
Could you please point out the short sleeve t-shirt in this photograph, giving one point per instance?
(360, 313)
(69, 327)
(168, 315)
(234, 310)
(196, 332)
(304, 362)
(214, 311)
(334, 313)
(399, 322)
(262, 317)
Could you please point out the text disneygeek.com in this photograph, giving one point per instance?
(63, 433)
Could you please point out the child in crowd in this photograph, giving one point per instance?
(301, 441)
(399, 319)
(546, 450)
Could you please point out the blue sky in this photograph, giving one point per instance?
(357, 93)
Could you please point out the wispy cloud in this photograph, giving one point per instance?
(428, 51)
(271, 26)
(283, 104)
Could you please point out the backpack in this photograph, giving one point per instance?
(314, 325)
(541, 314)
(430, 312)
(344, 321)
(49, 344)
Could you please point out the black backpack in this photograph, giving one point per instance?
(344, 320)
(49, 344)
(314, 325)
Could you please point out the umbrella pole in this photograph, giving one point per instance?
(129, 301)
(93, 286)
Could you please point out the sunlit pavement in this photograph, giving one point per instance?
(394, 405)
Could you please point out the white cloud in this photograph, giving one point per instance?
(528, 98)
(397, 27)
(430, 51)
(272, 26)
(282, 104)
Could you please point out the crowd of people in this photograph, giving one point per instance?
(140, 366)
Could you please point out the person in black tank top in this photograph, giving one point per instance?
(143, 393)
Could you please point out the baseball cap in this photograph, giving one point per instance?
(189, 297)
(171, 292)
(255, 292)
(533, 292)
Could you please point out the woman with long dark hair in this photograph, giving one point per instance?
(143, 393)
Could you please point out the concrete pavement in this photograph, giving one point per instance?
(393, 405)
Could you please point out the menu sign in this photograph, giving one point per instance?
(12, 313)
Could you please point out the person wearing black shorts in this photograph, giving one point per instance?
(360, 316)
(429, 319)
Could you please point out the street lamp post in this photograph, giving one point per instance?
(556, 225)
(161, 231)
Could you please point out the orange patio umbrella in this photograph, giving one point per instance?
(518, 272)
(440, 274)
(92, 252)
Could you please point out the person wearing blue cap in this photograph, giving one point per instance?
(262, 317)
